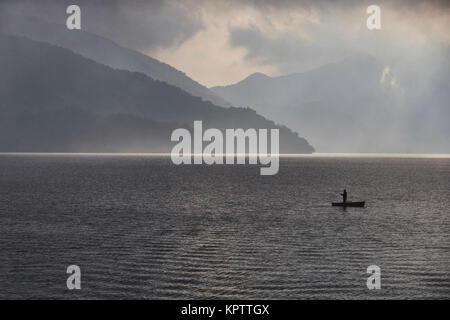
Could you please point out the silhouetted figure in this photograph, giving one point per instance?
(344, 196)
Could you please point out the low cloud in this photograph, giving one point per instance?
(220, 42)
(137, 24)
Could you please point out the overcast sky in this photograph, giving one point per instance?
(221, 42)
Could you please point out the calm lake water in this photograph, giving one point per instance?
(141, 227)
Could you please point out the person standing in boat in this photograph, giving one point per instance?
(344, 196)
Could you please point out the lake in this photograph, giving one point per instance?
(140, 227)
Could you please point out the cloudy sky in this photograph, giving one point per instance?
(222, 42)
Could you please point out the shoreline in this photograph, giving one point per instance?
(281, 155)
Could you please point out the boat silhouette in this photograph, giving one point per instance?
(360, 204)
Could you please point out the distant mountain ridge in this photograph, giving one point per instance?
(354, 105)
(107, 52)
(52, 99)
(282, 89)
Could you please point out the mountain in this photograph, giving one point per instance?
(331, 103)
(354, 105)
(52, 99)
(78, 131)
(105, 52)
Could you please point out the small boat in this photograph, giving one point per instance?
(349, 204)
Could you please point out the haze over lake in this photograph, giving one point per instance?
(141, 227)
(103, 105)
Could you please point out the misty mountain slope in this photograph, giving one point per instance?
(79, 131)
(42, 81)
(329, 79)
(355, 105)
(106, 52)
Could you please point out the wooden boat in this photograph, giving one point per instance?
(349, 204)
